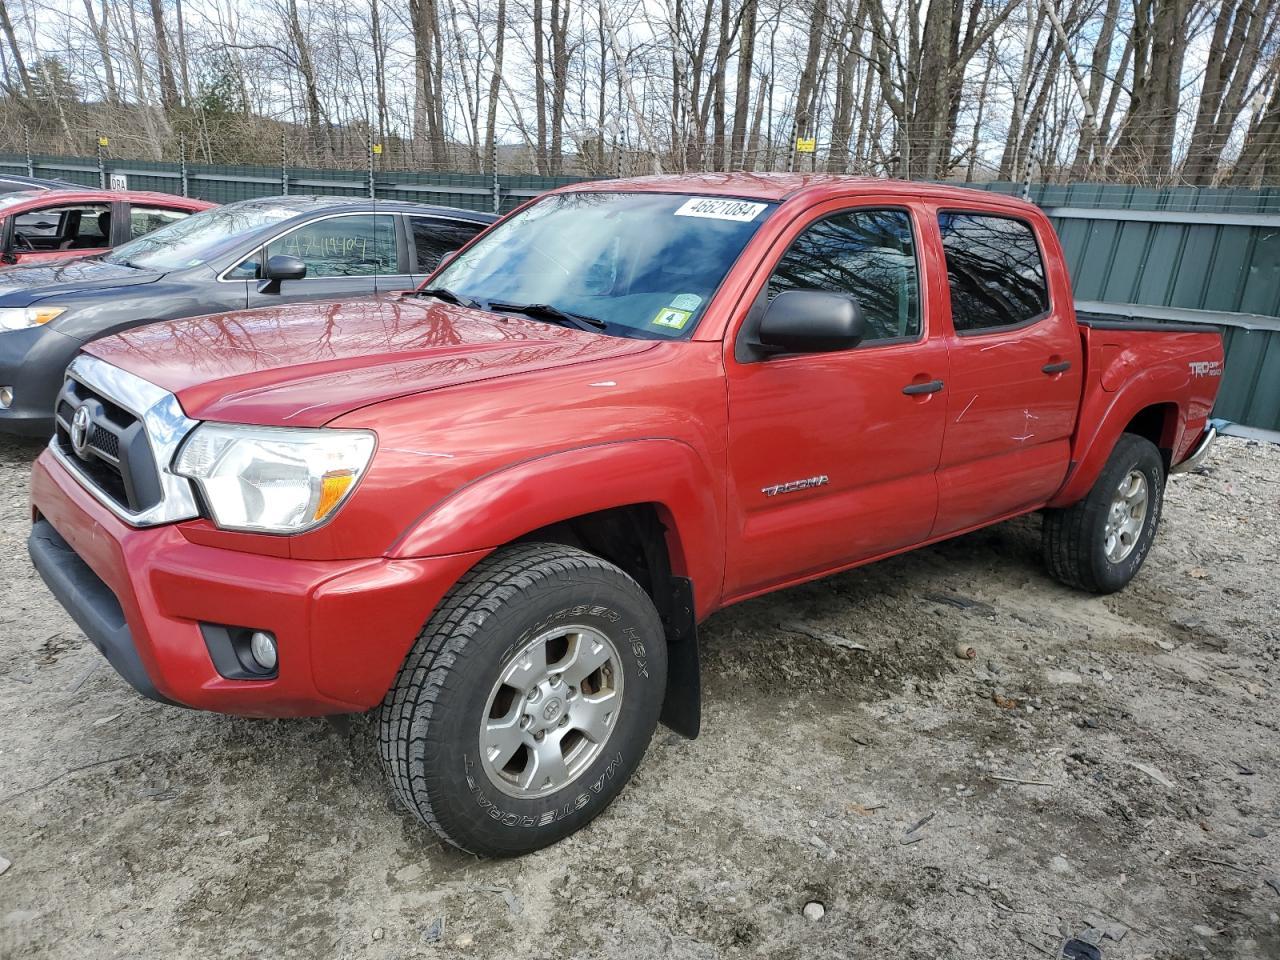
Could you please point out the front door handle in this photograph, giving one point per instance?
(915, 389)
(1060, 367)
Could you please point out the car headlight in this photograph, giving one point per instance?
(19, 318)
(273, 479)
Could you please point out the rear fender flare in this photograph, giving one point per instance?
(504, 505)
(1112, 412)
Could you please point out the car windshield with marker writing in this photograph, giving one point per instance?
(627, 264)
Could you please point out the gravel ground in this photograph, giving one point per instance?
(1106, 762)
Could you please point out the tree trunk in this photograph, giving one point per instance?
(495, 80)
(742, 86)
(168, 87)
(15, 51)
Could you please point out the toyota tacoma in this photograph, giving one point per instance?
(496, 508)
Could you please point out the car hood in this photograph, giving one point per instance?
(305, 364)
(20, 285)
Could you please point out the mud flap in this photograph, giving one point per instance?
(682, 707)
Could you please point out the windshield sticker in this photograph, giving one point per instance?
(686, 301)
(672, 318)
(711, 208)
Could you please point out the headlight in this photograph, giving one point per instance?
(19, 318)
(273, 479)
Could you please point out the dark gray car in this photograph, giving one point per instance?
(242, 255)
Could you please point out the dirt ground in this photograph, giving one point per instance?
(1103, 762)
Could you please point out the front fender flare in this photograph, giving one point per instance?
(505, 504)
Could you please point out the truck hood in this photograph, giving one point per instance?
(21, 286)
(305, 364)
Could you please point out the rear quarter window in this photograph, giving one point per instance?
(994, 271)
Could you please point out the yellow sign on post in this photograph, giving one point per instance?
(377, 149)
(103, 141)
(806, 144)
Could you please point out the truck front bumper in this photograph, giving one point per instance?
(141, 595)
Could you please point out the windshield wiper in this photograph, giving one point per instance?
(545, 311)
(448, 296)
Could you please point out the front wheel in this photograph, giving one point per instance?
(527, 701)
(1099, 544)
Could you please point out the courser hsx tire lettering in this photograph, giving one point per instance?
(432, 721)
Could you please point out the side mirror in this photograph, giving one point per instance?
(445, 259)
(278, 268)
(811, 321)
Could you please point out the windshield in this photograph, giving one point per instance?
(646, 264)
(197, 238)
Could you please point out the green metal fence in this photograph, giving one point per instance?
(1213, 255)
(223, 183)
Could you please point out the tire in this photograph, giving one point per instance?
(449, 700)
(1081, 546)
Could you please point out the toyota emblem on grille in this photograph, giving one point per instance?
(80, 431)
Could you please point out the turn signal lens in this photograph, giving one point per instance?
(19, 318)
(333, 487)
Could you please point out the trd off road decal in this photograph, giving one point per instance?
(1206, 368)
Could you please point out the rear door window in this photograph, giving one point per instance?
(143, 220)
(994, 271)
(433, 237)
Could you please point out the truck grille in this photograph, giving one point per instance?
(113, 452)
(117, 434)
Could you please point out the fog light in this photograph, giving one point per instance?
(6, 398)
(263, 647)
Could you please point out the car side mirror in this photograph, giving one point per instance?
(811, 321)
(445, 259)
(280, 267)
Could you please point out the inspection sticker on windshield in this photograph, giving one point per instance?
(686, 301)
(673, 318)
(713, 208)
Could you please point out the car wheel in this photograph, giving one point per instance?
(1100, 543)
(527, 701)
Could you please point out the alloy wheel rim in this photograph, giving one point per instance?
(551, 711)
(1126, 517)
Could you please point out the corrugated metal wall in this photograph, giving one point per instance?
(1200, 249)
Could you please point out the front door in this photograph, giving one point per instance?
(56, 231)
(1016, 375)
(831, 462)
(346, 255)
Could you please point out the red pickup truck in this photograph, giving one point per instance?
(496, 508)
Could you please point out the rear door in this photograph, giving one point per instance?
(145, 218)
(830, 461)
(1016, 372)
(431, 237)
(346, 255)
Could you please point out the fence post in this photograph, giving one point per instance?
(102, 162)
(497, 186)
(284, 168)
(182, 167)
(368, 149)
(26, 139)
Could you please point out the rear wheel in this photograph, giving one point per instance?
(527, 701)
(1100, 543)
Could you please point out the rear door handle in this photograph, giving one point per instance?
(1059, 367)
(915, 389)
